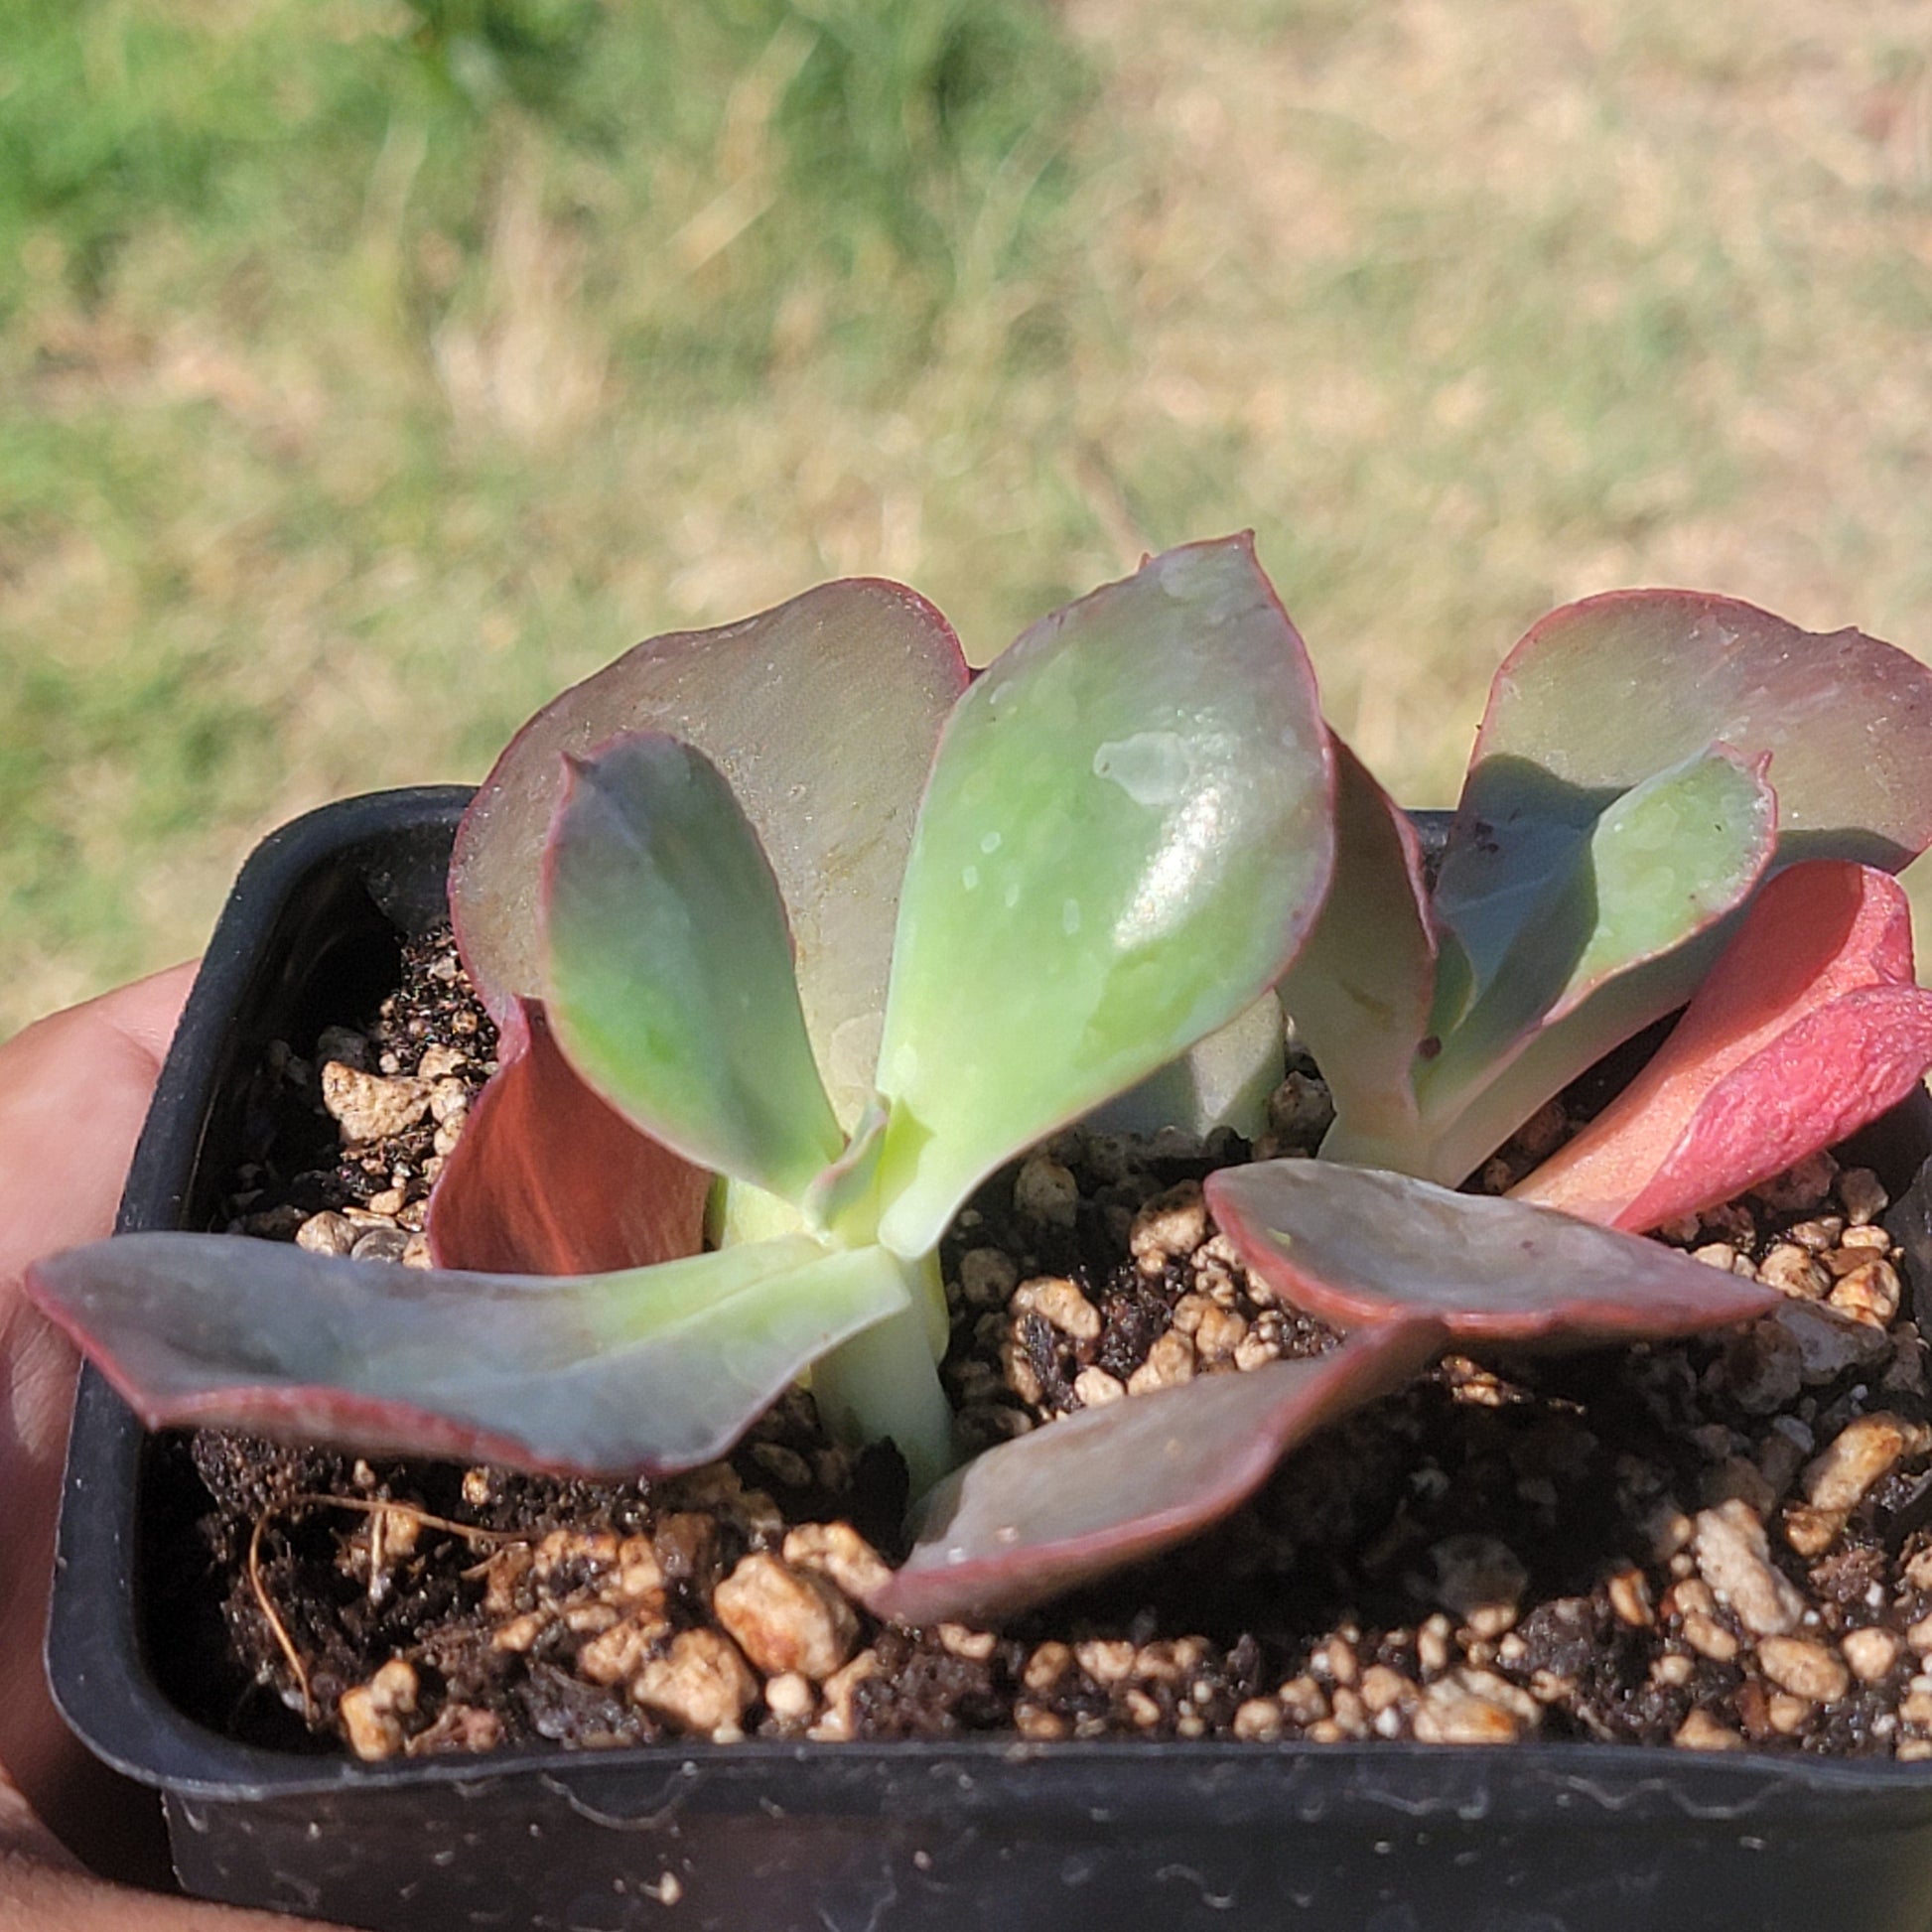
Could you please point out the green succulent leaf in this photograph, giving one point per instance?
(1360, 989)
(670, 971)
(844, 1197)
(1126, 836)
(823, 714)
(1617, 935)
(1601, 694)
(650, 1369)
(1660, 865)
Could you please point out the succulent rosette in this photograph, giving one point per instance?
(795, 933)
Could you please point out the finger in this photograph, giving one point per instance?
(73, 1091)
(48, 1897)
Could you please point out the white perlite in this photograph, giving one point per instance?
(1733, 1558)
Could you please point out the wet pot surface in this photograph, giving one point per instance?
(983, 1831)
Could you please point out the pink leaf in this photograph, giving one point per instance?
(1807, 1027)
(547, 1180)
(1034, 1518)
(1355, 1245)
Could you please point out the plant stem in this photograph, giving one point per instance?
(884, 1384)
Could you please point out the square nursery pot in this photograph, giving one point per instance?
(983, 1833)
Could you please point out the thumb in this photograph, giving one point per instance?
(73, 1090)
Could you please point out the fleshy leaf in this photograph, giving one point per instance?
(1034, 1518)
(823, 714)
(1355, 1245)
(1359, 990)
(1808, 1026)
(1223, 1080)
(651, 1369)
(547, 1180)
(1126, 836)
(849, 1187)
(1662, 864)
(1600, 694)
(670, 971)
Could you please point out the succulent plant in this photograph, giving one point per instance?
(1648, 762)
(797, 919)
(1123, 836)
(1647, 758)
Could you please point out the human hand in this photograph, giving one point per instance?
(73, 1090)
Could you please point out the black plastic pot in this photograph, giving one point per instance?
(984, 1833)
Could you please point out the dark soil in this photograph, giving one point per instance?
(1720, 1544)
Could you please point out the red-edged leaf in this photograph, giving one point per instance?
(546, 1179)
(1034, 1518)
(823, 714)
(1355, 1245)
(1126, 838)
(648, 1369)
(1618, 934)
(1603, 694)
(1808, 1026)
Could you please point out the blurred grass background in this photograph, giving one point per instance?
(370, 370)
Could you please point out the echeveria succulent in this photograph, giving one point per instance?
(794, 913)
(1646, 758)
(1124, 837)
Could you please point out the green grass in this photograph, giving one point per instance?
(368, 370)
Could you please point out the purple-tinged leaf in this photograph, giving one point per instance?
(1808, 1026)
(823, 714)
(1126, 836)
(1359, 990)
(670, 970)
(1602, 695)
(1353, 1245)
(649, 1370)
(1034, 1518)
(547, 1180)
(1596, 698)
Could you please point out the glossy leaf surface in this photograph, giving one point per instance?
(1808, 1026)
(1359, 990)
(548, 1180)
(1034, 1518)
(823, 714)
(1600, 694)
(651, 1369)
(1353, 1245)
(670, 971)
(1125, 837)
